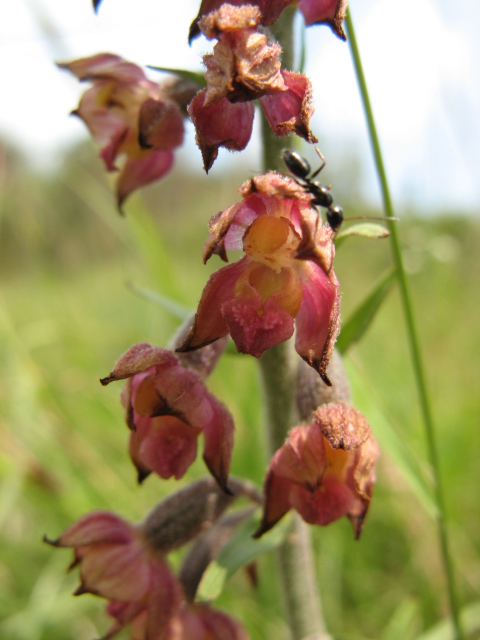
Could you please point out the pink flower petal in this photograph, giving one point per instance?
(166, 598)
(317, 320)
(276, 502)
(331, 501)
(104, 66)
(331, 12)
(256, 326)
(116, 571)
(160, 125)
(209, 324)
(168, 448)
(290, 111)
(103, 123)
(137, 173)
(96, 527)
(136, 360)
(220, 125)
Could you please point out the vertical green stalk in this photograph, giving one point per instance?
(296, 562)
(411, 330)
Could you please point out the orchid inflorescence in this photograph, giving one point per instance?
(284, 284)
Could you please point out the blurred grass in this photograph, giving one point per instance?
(66, 314)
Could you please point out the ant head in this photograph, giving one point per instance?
(335, 217)
(296, 163)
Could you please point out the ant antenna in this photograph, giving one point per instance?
(300, 168)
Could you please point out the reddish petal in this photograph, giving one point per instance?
(256, 326)
(331, 501)
(220, 125)
(187, 397)
(218, 438)
(124, 613)
(104, 66)
(331, 12)
(137, 359)
(209, 324)
(110, 152)
(301, 459)
(116, 571)
(277, 501)
(317, 320)
(137, 173)
(103, 124)
(168, 448)
(201, 621)
(135, 441)
(165, 600)
(96, 527)
(160, 125)
(290, 111)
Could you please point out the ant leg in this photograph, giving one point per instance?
(324, 162)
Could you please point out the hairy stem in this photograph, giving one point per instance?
(411, 330)
(295, 559)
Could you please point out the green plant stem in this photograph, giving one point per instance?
(411, 330)
(296, 562)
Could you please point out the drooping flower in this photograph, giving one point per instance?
(286, 276)
(126, 564)
(131, 116)
(324, 470)
(167, 408)
(116, 563)
(330, 12)
(245, 66)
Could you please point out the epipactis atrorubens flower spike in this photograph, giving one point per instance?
(330, 12)
(131, 116)
(245, 66)
(286, 278)
(325, 470)
(167, 407)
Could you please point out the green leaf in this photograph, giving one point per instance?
(177, 310)
(194, 76)
(364, 229)
(470, 621)
(390, 439)
(359, 321)
(239, 551)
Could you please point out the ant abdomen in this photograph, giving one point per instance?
(335, 217)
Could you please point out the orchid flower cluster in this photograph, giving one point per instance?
(284, 284)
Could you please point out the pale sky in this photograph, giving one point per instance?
(421, 59)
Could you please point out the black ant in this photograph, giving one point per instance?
(321, 196)
(300, 168)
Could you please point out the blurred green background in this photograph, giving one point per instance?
(67, 311)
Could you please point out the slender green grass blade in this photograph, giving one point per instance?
(177, 310)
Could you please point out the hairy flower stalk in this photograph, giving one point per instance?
(295, 558)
